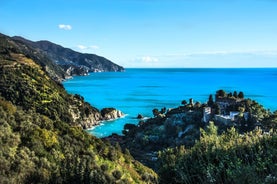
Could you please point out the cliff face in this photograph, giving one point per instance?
(111, 113)
(72, 62)
(25, 81)
(93, 116)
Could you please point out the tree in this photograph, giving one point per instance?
(163, 110)
(229, 95)
(191, 101)
(216, 109)
(184, 102)
(220, 93)
(156, 112)
(235, 94)
(210, 101)
(211, 129)
(271, 121)
(197, 105)
(241, 95)
(129, 126)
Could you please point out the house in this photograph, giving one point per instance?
(227, 119)
(225, 102)
(224, 119)
(233, 115)
(207, 111)
(231, 118)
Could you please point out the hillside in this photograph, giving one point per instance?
(227, 158)
(26, 83)
(41, 128)
(184, 146)
(9, 46)
(72, 62)
(42, 138)
(181, 126)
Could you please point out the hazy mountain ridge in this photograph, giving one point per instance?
(72, 62)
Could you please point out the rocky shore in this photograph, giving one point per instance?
(95, 117)
(179, 126)
(111, 114)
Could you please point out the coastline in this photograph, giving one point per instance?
(139, 91)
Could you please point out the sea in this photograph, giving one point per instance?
(139, 91)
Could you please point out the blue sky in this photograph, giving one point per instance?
(153, 33)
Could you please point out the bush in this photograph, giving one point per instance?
(117, 174)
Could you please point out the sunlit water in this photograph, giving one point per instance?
(139, 91)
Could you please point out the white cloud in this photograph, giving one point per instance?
(220, 53)
(82, 47)
(208, 59)
(94, 47)
(266, 53)
(65, 27)
(149, 59)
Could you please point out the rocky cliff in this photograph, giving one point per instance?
(72, 62)
(111, 113)
(24, 80)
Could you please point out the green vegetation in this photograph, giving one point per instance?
(41, 129)
(42, 138)
(25, 83)
(37, 149)
(226, 158)
(240, 151)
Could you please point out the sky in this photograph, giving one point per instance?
(153, 33)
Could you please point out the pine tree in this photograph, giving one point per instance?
(210, 101)
(241, 95)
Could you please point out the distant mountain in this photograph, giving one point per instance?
(72, 62)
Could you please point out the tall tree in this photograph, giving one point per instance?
(235, 94)
(184, 102)
(156, 112)
(241, 95)
(220, 93)
(210, 101)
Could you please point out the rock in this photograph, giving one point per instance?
(140, 116)
(72, 70)
(93, 117)
(92, 120)
(161, 116)
(85, 121)
(111, 113)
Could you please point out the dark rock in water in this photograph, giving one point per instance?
(140, 116)
(111, 113)
(141, 123)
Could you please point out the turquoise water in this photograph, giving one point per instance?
(139, 91)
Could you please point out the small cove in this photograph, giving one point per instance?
(138, 91)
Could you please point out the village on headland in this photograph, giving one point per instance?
(181, 125)
(228, 109)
